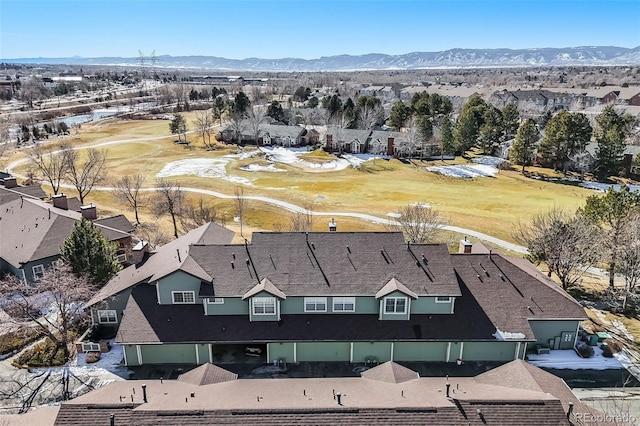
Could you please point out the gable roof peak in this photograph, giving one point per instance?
(395, 285)
(266, 286)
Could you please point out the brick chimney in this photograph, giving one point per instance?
(390, 146)
(329, 142)
(333, 227)
(138, 251)
(465, 246)
(10, 182)
(89, 212)
(60, 201)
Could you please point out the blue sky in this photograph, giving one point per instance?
(306, 29)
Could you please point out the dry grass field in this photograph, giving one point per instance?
(489, 205)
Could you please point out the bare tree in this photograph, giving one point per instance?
(54, 305)
(203, 122)
(236, 126)
(194, 215)
(240, 206)
(629, 261)
(5, 141)
(369, 116)
(84, 174)
(419, 223)
(256, 118)
(567, 243)
(127, 190)
(169, 198)
(50, 164)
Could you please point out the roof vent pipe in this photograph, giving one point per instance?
(339, 398)
(178, 251)
(448, 387)
(144, 393)
(112, 420)
(570, 410)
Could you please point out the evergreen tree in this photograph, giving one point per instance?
(275, 111)
(490, 130)
(446, 136)
(566, 134)
(524, 146)
(87, 252)
(510, 120)
(468, 125)
(400, 113)
(241, 103)
(610, 134)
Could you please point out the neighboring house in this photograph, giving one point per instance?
(351, 141)
(586, 160)
(515, 393)
(332, 296)
(270, 134)
(33, 231)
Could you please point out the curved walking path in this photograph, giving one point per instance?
(279, 203)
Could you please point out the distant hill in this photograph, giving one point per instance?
(470, 58)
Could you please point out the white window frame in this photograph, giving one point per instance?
(109, 315)
(443, 301)
(262, 302)
(90, 347)
(217, 301)
(315, 301)
(342, 301)
(40, 272)
(192, 294)
(395, 305)
(121, 257)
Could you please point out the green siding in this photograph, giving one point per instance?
(420, 351)
(280, 350)
(325, 351)
(294, 305)
(392, 317)
(380, 350)
(131, 355)
(367, 305)
(203, 353)
(428, 305)
(549, 330)
(168, 354)
(28, 267)
(486, 351)
(231, 306)
(178, 281)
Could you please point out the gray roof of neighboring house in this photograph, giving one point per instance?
(497, 281)
(384, 135)
(274, 130)
(34, 191)
(167, 259)
(32, 229)
(348, 135)
(117, 222)
(537, 398)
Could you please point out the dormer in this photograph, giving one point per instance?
(264, 301)
(395, 301)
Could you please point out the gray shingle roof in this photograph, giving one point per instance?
(390, 372)
(207, 374)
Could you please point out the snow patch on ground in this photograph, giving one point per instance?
(111, 361)
(465, 171)
(421, 204)
(395, 215)
(202, 167)
(489, 161)
(261, 168)
(604, 187)
(622, 329)
(569, 360)
(506, 335)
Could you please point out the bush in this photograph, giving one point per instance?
(16, 340)
(613, 345)
(39, 355)
(584, 350)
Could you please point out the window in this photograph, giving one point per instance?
(443, 299)
(90, 347)
(183, 296)
(217, 301)
(315, 304)
(344, 304)
(264, 306)
(395, 305)
(107, 317)
(122, 258)
(38, 272)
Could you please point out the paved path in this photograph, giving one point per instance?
(282, 204)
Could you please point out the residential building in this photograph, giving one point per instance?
(513, 394)
(332, 296)
(269, 134)
(33, 231)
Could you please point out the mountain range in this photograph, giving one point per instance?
(453, 58)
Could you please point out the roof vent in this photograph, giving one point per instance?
(333, 227)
